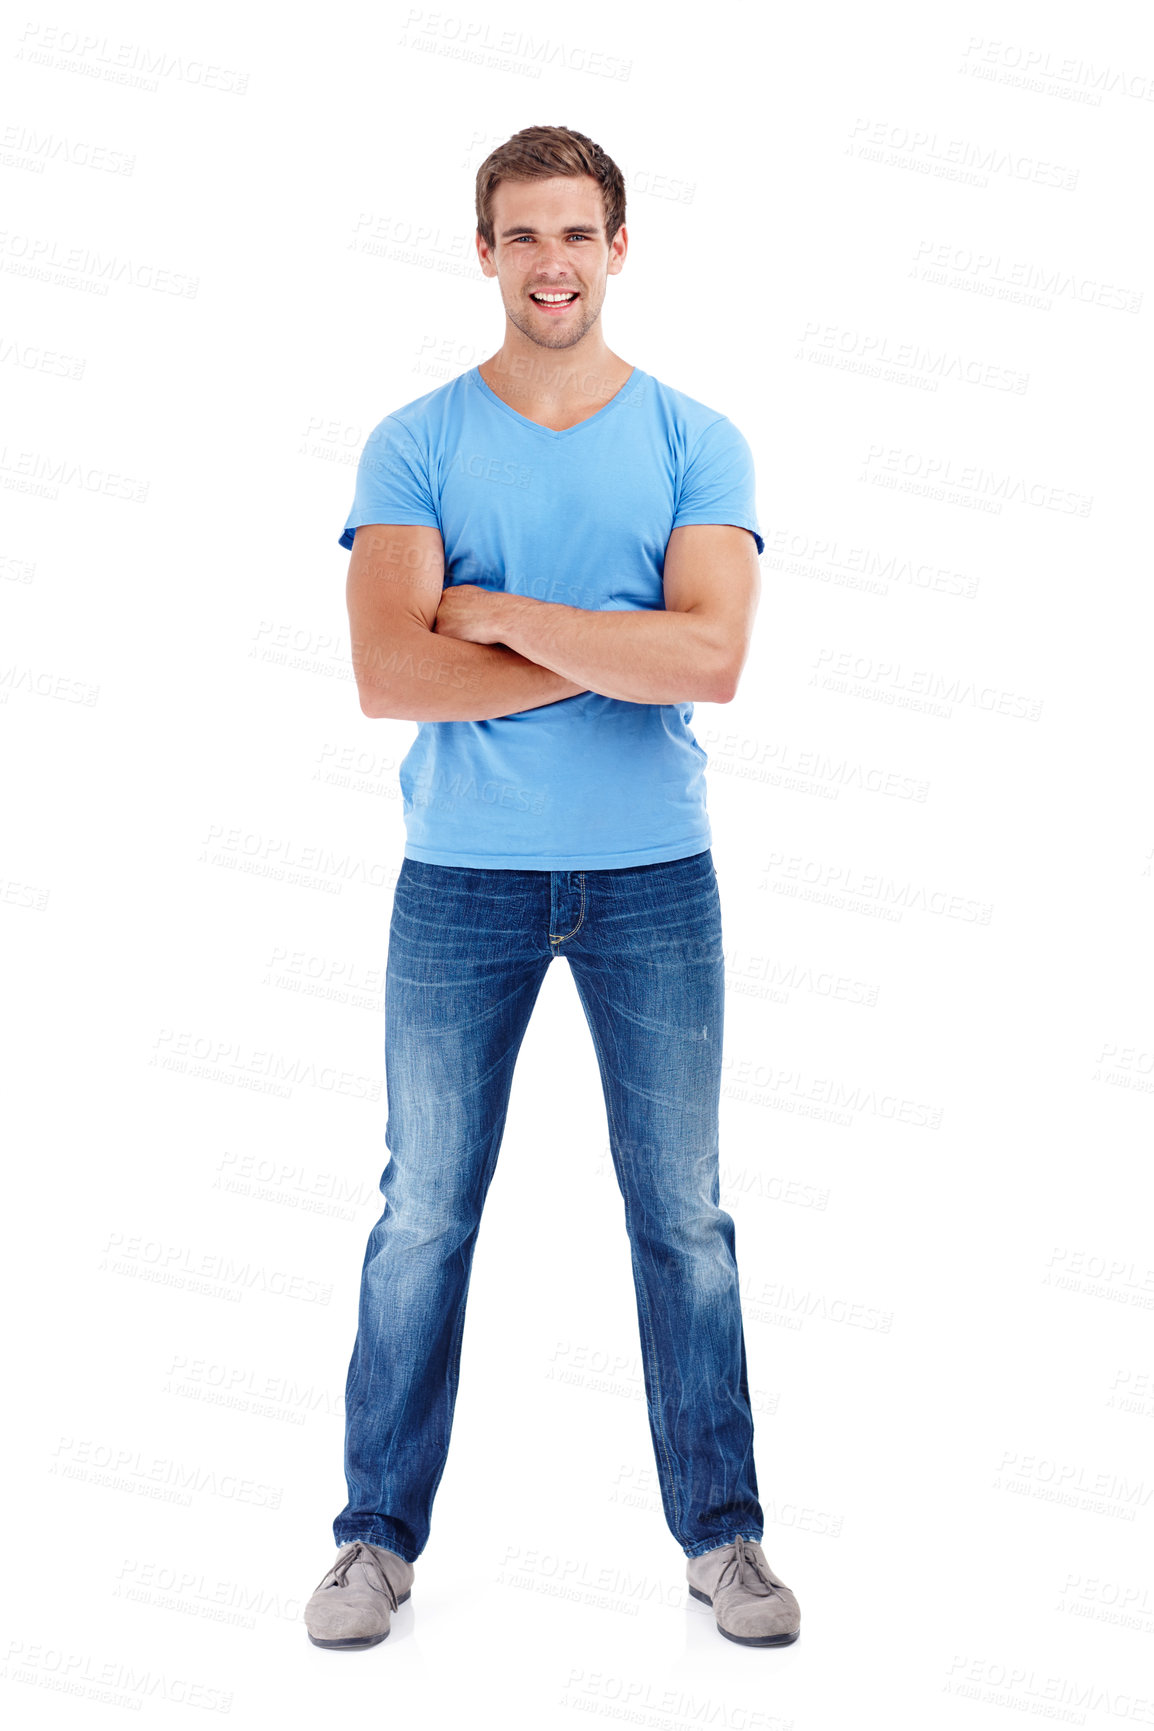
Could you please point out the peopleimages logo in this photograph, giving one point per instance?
(476, 39)
(482, 468)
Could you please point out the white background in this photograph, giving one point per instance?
(905, 250)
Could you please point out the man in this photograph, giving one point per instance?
(553, 557)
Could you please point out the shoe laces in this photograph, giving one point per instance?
(745, 1570)
(358, 1552)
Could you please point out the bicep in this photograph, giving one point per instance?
(711, 569)
(396, 576)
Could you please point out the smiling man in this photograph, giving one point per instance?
(554, 556)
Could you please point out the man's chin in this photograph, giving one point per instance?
(550, 338)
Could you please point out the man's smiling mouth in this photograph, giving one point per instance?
(552, 301)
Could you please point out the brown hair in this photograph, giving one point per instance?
(539, 152)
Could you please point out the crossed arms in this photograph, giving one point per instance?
(425, 653)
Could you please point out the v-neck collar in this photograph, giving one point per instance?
(557, 432)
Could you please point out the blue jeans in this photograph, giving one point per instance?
(468, 950)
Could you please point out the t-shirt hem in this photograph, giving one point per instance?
(562, 862)
(399, 519)
(684, 522)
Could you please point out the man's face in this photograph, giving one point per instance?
(550, 239)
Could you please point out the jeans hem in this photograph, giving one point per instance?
(375, 1539)
(704, 1545)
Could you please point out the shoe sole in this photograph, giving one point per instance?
(749, 1640)
(353, 1641)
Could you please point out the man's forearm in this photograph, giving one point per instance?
(637, 655)
(423, 677)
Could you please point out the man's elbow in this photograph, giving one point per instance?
(726, 678)
(392, 676)
(392, 703)
(372, 694)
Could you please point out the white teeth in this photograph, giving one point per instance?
(552, 299)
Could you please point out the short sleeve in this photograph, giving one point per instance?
(718, 485)
(392, 483)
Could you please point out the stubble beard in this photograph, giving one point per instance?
(545, 338)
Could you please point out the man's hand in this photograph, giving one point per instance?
(471, 613)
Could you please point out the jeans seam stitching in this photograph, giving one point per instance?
(648, 1342)
(559, 938)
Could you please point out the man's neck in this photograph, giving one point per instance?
(557, 387)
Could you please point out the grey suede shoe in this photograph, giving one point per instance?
(355, 1601)
(750, 1603)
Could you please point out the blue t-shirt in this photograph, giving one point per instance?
(580, 516)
